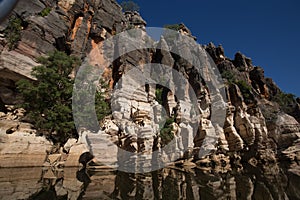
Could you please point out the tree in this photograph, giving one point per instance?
(48, 101)
(166, 134)
(129, 6)
(286, 101)
(13, 32)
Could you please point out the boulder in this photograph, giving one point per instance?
(103, 149)
(242, 63)
(75, 153)
(134, 20)
(21, 149)
(216, 53)
(244, 127)
(258, 81)
(286, 131)
(69, 144)
(235, 142)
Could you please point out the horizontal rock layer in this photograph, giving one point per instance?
(252, 120)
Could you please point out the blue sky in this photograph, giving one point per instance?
(266, 31)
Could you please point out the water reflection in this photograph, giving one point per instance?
(253, 182)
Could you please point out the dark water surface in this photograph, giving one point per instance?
(248, 182)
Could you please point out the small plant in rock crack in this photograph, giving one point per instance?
(166, 133)
(13, 32)
(45, 12)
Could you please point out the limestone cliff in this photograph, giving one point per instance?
(257, 122)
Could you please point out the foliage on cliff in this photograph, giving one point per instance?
(13, 32)
(48, 101)
(244, 87)
(175, 27)
(286, 101)
(45, 12)
(166, 134)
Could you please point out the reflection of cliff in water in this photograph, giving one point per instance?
(261, 182)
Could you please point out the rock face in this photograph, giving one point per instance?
(21, 149)
(286, 131)
(71, 26)
(19, 146)
(253, 153)
(254, 121)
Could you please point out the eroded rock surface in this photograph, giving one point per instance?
(21, 149)
(254, 124)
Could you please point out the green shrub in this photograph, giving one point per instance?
(229, 76)
(245, 89)
(286, 101)
(129, 6)
(48, 101)
(13, 32)
(45, 12)
(158, 95)
(175, 27)
(166, 134)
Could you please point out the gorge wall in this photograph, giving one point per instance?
(260, 120)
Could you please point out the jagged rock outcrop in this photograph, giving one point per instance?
(253, 121)
(285, 130)
(19, 146)
(253, 154)
(258, 81)
(134, 20)
(70, 26)
(242, 63)
(216, 53)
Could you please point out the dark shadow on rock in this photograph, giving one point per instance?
(2, 107)
(45, 194)
(85, 158)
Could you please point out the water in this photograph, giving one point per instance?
(247, 182)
